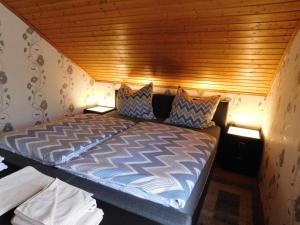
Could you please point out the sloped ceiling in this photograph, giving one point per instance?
(227, 45)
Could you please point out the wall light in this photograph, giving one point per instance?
(251, 133)
(99, 109)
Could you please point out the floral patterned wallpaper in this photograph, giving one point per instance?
(37, 83)
(36, 62)
(67, 86)
(280, 171)
(5, 125)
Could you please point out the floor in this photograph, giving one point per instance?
(231, 199)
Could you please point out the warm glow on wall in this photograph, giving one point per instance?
(246, 119)
(90, 100)
(105, 101)
(246, 111)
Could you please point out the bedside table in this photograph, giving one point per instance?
(241, 150)
(99, 110)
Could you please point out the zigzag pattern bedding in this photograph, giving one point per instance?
(58, 141)
(195, 113)
(136, 104)
(153, 161)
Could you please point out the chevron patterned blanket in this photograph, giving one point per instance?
(58, 141)
(158, 162)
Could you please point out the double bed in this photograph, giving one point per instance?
(142, 172)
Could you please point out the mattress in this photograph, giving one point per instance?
(56, 142)
(153, 161)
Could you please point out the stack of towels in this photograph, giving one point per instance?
(2, 165)
(46, 201)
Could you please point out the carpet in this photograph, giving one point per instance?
(231, 200)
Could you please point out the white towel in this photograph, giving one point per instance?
(1, 159)
(19, 186)
(89, 218)
(3, 166)
(59, 203)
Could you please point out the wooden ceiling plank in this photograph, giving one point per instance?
(150, 60)
(200, 80)
(152, 28)
(211, 74)
(212, 65)
(179, 35)
(174, 51)
(192, 74)
(35, 7)
(176, 56)
(271, 17)
(174, 11)
(180, 42)
(170, 45)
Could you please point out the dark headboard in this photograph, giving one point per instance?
(162, 105)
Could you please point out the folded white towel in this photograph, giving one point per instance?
(2, 166)
(19, 186)
(59, 203)
(89, 218)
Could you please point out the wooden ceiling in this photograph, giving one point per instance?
(224, 45)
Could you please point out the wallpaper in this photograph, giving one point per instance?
(280, 171)
(37, 83)
(5, 124)
(34, 56)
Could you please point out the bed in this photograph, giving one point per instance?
(130, 207)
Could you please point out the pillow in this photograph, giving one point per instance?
(194, 113)
(136, 104)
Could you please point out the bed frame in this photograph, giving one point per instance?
(121, 208)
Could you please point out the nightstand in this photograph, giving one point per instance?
(99, 110)
(241, 150)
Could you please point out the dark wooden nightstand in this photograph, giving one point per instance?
(99, 110)
(241, 150)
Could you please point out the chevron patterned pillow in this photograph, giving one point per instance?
(194, 113)
(136, 104)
